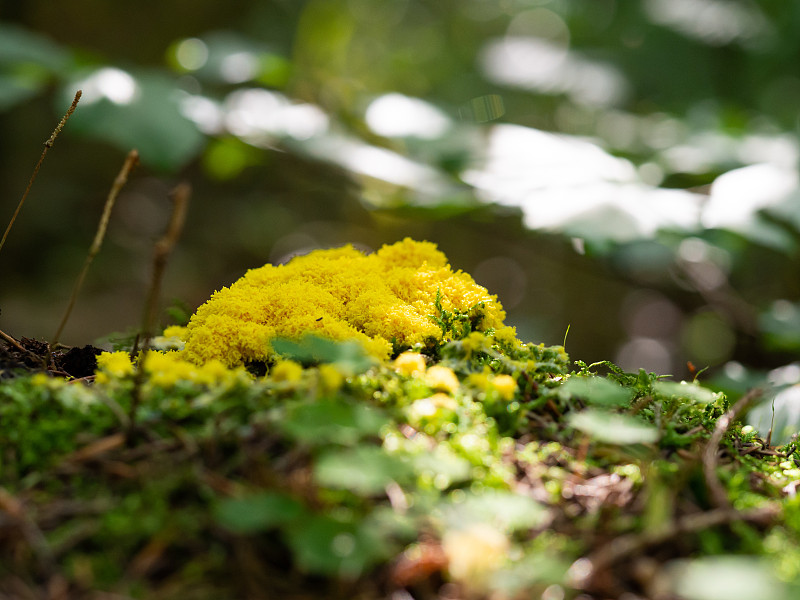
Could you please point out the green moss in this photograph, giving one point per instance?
(338, 473)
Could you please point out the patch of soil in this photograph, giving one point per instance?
(27, 355)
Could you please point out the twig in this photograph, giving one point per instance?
(16, 344)
(47, 145)
(180, 201)
(718, 495)
(122, 178)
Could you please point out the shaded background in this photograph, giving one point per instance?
(624, 169)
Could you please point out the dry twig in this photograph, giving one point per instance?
(180, 201)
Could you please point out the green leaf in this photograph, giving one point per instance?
(349, 356)
(443, 461)
(27, 62)
(501, 508)
(726, 578)
(20, 46)
(135, 110)
(256, 513)
(689, 391)
(364, 470)
(612, 428)
(332, 421)
(597, 390)
(781, 326)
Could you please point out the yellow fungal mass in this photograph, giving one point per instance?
(378, 299)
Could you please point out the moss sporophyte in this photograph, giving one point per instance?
(371, 418)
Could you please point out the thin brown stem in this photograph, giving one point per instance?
(47, 145)
(119, 182)
(14, 342)
(180, 201)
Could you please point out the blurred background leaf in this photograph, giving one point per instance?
(726, 578)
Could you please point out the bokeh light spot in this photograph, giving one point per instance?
(191, 54)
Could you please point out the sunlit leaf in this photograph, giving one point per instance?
(726, 578)
(135, 110)
(497, 507)
(689, 391)
(364, 470)
(257, 512)
(612, 428)
(597, 390)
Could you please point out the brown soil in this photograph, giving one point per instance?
(27, 355)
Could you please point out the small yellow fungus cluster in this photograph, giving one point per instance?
(442, 379)
(164, 369)
(379, 299)
(504, 385)
(410, 363)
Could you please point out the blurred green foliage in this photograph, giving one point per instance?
(254, 485)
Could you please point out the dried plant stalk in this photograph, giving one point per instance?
(180, 201)
(47, 145)
(119, 182)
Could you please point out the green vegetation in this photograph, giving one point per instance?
(351, 478)
(626, 171)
